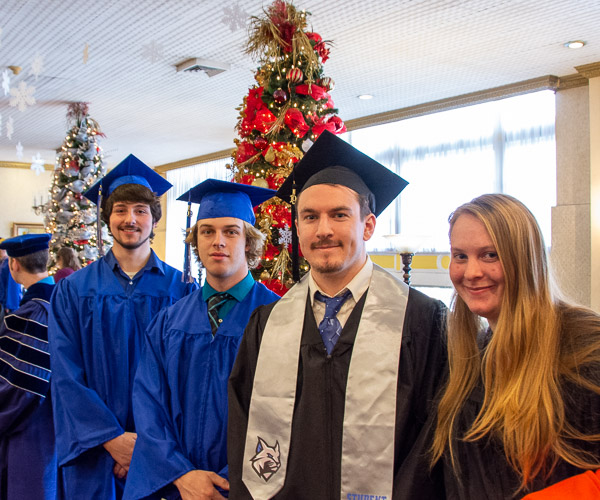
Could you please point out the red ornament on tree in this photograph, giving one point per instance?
(280, 96)
(260, 143)
(295, 75)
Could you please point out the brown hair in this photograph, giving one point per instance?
(69, 258)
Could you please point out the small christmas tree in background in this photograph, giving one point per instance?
(70, 217)
(279, 120)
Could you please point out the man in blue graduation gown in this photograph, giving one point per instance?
(98, 319)
(27, 456)
(180, 391)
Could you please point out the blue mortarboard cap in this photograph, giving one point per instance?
(226, 199)
(130, 171)
(25, 244)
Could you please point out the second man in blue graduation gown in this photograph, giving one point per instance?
(99, 316)
(180, 391)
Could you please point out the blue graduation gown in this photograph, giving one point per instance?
(27, 458)
(96, 332)
(10, 291)
(180, 393)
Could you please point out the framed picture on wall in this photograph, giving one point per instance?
(19, 228)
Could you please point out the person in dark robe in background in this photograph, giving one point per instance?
(180, 391)
(27, 456)
(521, 409)
(67, 262)
(99, 315)
(333, 383)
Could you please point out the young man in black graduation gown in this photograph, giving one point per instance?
(312, 418)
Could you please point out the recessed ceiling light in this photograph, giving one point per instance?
(575, 44)
(365, 96)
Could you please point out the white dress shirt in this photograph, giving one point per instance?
(357, 286)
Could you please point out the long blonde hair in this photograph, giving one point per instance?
(539, 343)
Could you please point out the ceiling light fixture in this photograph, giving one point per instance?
(365, 97)
(211, 68)
(575, 44)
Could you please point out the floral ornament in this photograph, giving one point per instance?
(294, 119)
(319, 45)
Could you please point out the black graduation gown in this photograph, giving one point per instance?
(313, 470)
(484, 471)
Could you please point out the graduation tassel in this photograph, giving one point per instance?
(187, 258)
(99, 242)
(295, 257)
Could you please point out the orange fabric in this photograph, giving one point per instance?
(581, 487)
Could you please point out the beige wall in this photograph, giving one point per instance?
(17, 189)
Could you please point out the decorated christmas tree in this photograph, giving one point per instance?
(70, 217)
(282, 115)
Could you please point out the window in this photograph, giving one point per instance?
(504, 146)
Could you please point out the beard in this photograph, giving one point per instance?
(133, 246)
(326, 266)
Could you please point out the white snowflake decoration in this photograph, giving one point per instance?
(37, 66)
(20, 151)
(6, 81)
(235, 17)
(10, 128)
(285, 236)
(22, 96)
(153, 51)
(37, 164)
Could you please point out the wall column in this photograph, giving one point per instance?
(576, 217)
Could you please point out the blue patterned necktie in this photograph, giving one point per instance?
(214, 303)
(330, 328)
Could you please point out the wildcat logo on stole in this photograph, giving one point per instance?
(266, 462)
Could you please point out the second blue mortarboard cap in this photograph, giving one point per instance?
(25, 244)
(226, 199)
(130, 171)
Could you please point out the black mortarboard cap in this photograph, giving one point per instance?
(331, 160)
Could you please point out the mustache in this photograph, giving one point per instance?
(325, 243)
(123, 227)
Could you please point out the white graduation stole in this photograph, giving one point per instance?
(370, 409)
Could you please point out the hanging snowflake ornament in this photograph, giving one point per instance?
(37, 66)
(285, 236)
(6, 81)
(235, 17)
(153, 52)
(19, 151)
(10, 128)
(85, 53)
(37, 164)
(22, 96)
